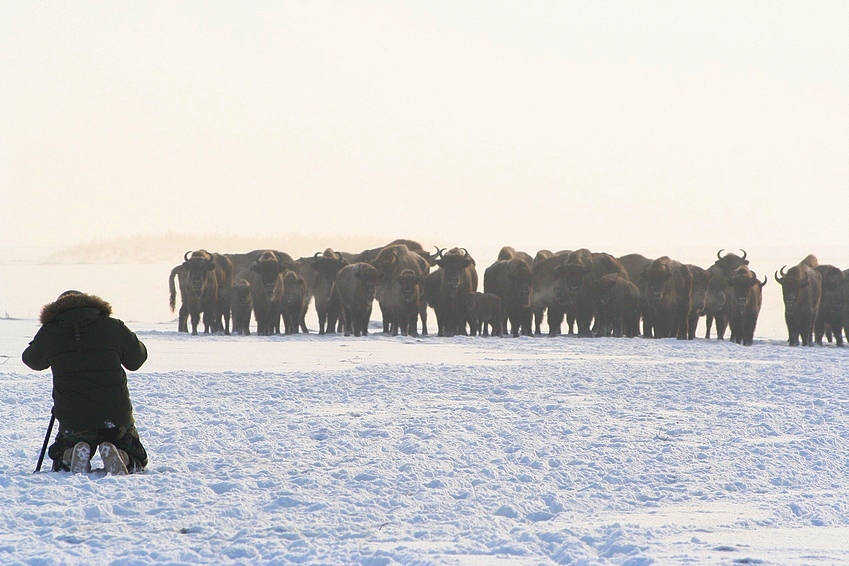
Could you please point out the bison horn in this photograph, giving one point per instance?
(186, 255)
(465, 252)
(317, 254)
(719, 253)
(744, 254)
(783, 271)
(764, 283)
(438, 251)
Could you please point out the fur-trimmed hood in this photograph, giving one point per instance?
(71, 301)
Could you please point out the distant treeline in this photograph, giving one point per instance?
(164, 247)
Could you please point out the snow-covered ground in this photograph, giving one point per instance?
(384, 450)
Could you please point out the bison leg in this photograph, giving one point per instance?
(195, 322)
(570, 321)
(423, 316)
(837, 329)
(538, 314)
(347, 321)
(691, 326)
(183, 318)
(226, 313)
(721, 324)
(683, 324)
(555, 320)
(208, 322)
(413, 322)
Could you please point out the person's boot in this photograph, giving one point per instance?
(114, 460)
(78, 458)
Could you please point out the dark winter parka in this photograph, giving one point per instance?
(86, 349)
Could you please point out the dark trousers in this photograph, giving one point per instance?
(124, 438)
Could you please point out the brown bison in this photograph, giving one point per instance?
(666, 286)
(459, 277)
(354, 289)
(635, 264)
(410, 285)
(576, 288)
(241, 305)
(745, 304)
(206, 280)
(294, 303)
(718, 295)
(619, 306)
(510, 279)
(829, 319)
(266, 278)
(181, 274)
(698, 294)
(543, 296)
(390, 262)
(326, 266)
(483, 311)
(801, 287)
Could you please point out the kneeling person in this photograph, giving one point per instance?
(87, 351)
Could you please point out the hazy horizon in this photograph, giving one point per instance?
(600, 125)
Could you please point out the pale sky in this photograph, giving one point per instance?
(533, 124)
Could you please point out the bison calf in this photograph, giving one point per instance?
(619, 306)
(354, 290)
(241, 307)
(483, 311)
(293, 304)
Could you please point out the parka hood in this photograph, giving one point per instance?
(71, 301)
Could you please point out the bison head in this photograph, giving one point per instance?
(792, 282)
(199, 265)
(729, 262)
(327, 266)
(606, 286)
(242, 292)
(294, 288)
(269, 268)
(367, 275)
(656, 275)
(570, 281)
(453, 265)
(742, 280)
(386, 261)
(409, 281)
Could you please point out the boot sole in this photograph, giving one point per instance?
(80, 456)
(112, 462)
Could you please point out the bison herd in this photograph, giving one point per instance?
(594, 294)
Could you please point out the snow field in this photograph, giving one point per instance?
(521, 451)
